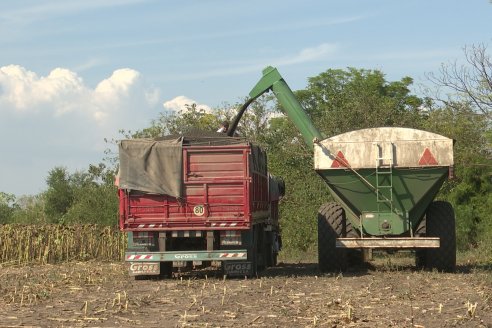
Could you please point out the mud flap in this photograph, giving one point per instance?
(144, 268)
(238, 268)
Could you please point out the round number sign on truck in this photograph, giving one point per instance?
(199, 210)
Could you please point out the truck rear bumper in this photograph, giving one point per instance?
(217, 255)
(415, 242)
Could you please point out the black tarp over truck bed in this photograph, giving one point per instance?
(161, 182)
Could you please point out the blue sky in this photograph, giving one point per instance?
(75, 72)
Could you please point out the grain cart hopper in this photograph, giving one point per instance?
(383, 180)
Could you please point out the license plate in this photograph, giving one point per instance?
(144, 268)
(238, 268)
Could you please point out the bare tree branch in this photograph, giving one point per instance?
(472, 81)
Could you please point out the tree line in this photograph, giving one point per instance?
(457, 105)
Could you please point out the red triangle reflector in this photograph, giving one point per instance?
(427, 158)
(340, 161)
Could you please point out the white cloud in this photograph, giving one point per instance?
(119, 82)
(179, 103)
(58, 120)
(63, 91)
(312, 54)
(23, 90)
(89, 64)
(111, 93)
(320, 52)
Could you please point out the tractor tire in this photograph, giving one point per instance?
(440, 222)
(331, 225)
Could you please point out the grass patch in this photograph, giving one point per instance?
(298, 256)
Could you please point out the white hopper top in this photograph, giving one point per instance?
(399, 147)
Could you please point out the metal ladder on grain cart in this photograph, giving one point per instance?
(384, 177)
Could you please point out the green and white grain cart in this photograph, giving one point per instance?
(384, 182)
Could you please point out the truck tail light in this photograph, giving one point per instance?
(230, 237)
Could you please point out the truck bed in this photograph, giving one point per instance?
(223, 187)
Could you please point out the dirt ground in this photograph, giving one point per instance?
(384, 294)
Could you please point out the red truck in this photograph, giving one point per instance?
(198, 201)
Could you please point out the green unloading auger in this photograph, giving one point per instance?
(272, 80)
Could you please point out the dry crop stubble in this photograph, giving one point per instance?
(51, 243)
(100, 293)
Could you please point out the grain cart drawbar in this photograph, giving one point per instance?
(197, 201)
(383, 180)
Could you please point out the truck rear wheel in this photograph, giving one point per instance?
(253, 250)
(271, 255)
(166, 269)
(262, 251)
(440, 222)
(331, 225)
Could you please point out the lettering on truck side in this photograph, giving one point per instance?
(185, 256)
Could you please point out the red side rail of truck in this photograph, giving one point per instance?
(223, 189)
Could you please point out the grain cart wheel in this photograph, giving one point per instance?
(440, 222)
(331, 224)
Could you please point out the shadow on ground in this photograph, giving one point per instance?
(311, 269)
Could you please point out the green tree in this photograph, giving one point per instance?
(59, 196)
(291, 159)
(464, 92)
(345, 100)
(460, 122)
(255, 120)
(95, 197)
(8, 206)
(191, 118)
(82, 197)
(470, 191)
(95, 204)
(30, 210)
(195, 120)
